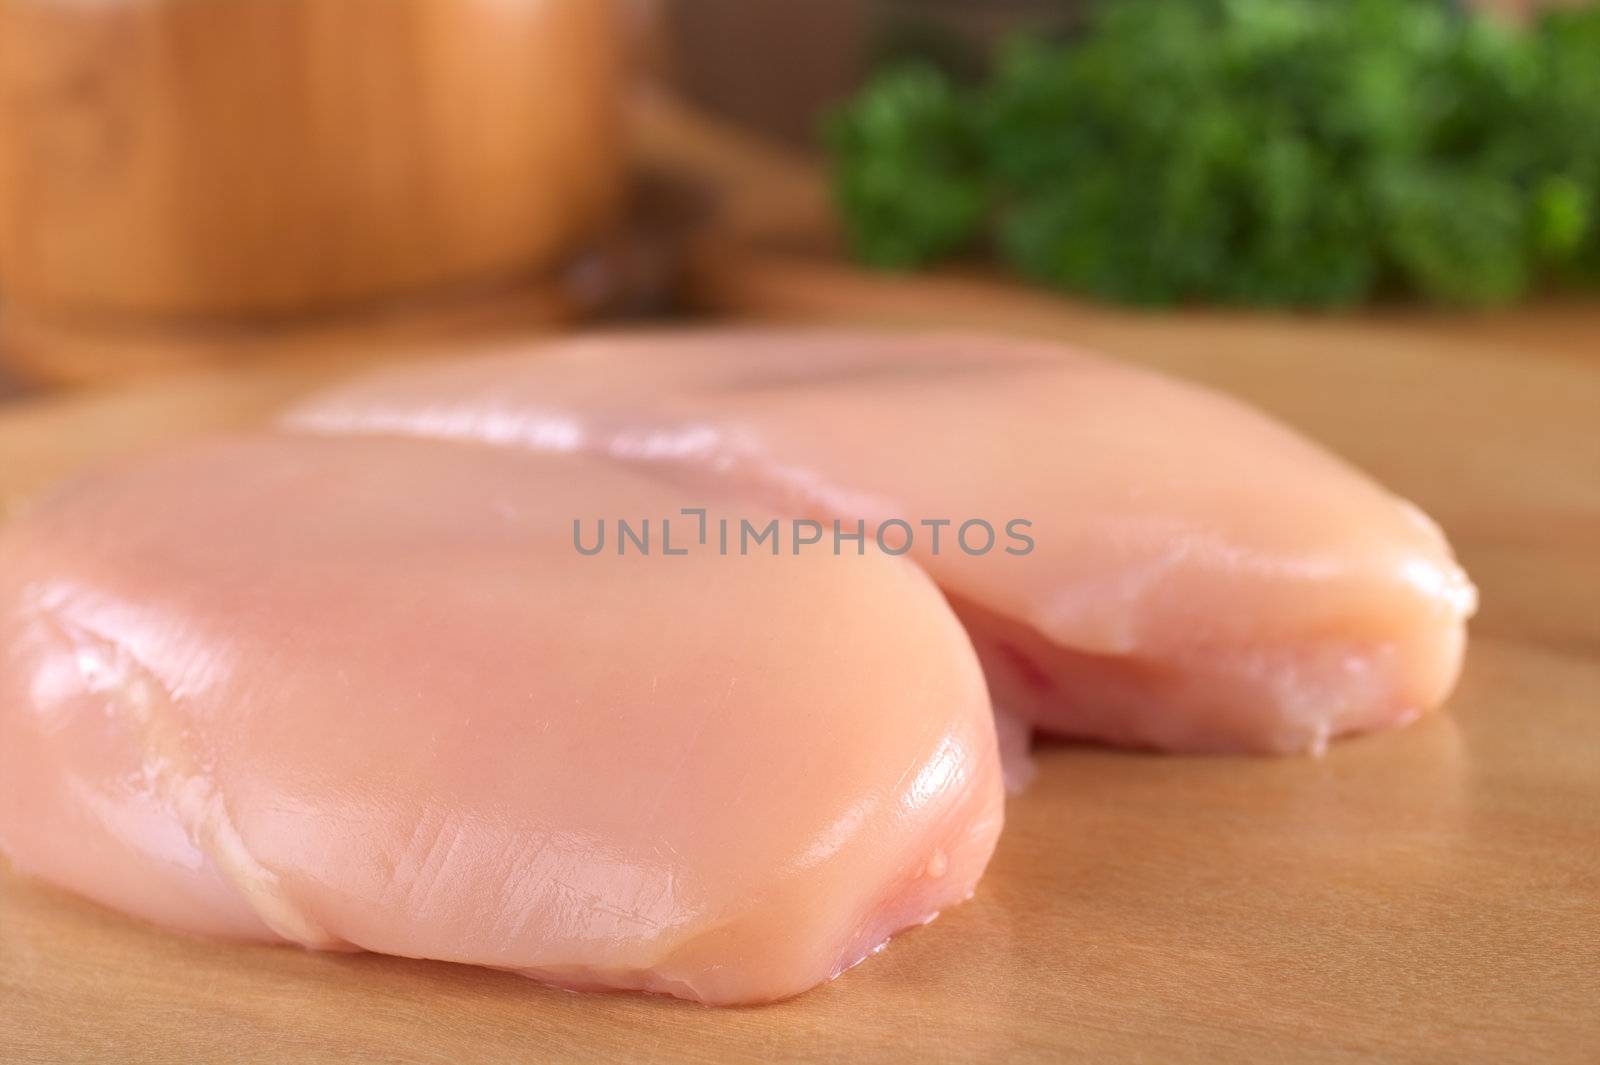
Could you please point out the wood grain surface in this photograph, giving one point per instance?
(1430, 895)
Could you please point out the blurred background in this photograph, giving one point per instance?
(190, 186)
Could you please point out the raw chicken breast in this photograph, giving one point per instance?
(1200, 577)
(367, 694)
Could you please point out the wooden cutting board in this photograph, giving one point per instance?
(1427, 895)
(1423, 896)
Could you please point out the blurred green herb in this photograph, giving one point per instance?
(910, 175)
(1276, 152)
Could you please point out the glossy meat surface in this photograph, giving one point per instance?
(366, 694)
(1201, 577)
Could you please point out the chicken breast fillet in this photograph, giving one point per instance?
(366, 694)
(1165, 567)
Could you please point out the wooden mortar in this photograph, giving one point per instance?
(173, 166)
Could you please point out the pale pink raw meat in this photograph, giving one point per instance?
(1203, 578)
(366, 694)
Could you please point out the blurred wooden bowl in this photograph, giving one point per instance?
(228, 161)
